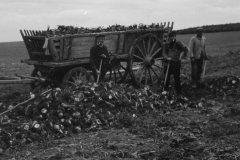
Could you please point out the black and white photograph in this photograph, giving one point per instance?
(119, 79)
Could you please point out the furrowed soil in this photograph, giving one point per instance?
(207, 130)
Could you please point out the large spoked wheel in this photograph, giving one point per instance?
(38, 84)
(76, 77)
(146, 61)
(118, 71)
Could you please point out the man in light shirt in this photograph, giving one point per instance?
(197, 46)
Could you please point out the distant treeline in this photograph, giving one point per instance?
(212, 28)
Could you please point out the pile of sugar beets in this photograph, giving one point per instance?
(63, 30)
(88, 107)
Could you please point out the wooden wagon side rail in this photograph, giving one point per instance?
(54, 64)
(121, 57)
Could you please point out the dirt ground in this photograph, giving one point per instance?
(208, 129)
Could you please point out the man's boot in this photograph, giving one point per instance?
(194, 85)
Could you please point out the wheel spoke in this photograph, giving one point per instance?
(144, 47)
(83, 77)
(137, 68)
(145, 76)
(110, 75)
(153, 47)
(79, 75)
(138, 57)
(139, 63)
(115, 76)
(120, 74)
(157, 66)
(140, 51)
(156, 52)
(74, 79)
(160, 58)
(123, 67)
(71, 83)
(141, 74)
(150, 75)
(149, 43)
(154, 72)
(76, 75)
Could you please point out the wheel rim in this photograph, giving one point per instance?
(146, 62)
(76, 77)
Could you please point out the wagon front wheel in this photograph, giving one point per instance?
(38, 85)
(76, 76)
(146, 61)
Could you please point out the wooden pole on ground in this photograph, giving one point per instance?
(19, 104)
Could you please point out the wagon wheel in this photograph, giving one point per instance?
(118, 71)
(76, 77)
(146, 61)
(37, 84)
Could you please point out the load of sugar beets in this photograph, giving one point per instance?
(84, 108)
(63, 30)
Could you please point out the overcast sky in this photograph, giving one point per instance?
(38, 14)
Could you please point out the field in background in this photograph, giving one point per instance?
(12, 53)
(217, 43)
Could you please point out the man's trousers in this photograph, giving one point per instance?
(174, 69)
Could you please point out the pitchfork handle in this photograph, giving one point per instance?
(100, 68)
(166, 75)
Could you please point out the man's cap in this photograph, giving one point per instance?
(200, 29)
(171, 34)
(100, 35)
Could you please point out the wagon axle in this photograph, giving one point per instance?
(148, 61)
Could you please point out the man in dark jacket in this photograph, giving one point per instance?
(97, 53)
(173, 58)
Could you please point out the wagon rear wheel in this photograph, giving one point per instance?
(76, 76)
(146, 61)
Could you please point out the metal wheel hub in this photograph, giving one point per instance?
(78, 82)
(148, 61)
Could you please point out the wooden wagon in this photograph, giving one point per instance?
(65, 59)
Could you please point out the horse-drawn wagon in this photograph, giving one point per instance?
(65, 59)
